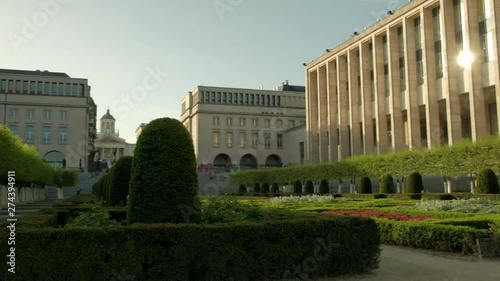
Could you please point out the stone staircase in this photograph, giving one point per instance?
(85, 182)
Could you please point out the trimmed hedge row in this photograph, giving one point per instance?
(331, 245)
(458, 195)
(428, 235)
(463, 158)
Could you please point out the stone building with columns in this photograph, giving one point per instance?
(110, 147)
(425, 75)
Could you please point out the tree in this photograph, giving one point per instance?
(414, 183)
(164, 183)
(309, 187)
(387, 184)
(275, 188)
(487, 182)
(119, 179)
(324, 187)
(297, 187)
(365, 185)
(265, 188)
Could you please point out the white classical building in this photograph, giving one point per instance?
(235, 129)
(109, 145)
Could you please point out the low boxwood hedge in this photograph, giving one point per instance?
(314, 246)
(458, 195)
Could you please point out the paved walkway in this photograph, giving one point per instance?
(406, 264)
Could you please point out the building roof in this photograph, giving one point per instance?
(108, 116)
(291, 88)
(34, 73)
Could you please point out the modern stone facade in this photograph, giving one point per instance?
(51, 111)
(235, 129)
(425, 75)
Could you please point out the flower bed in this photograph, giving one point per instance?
(378, 214)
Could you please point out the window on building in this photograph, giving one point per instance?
(243, 122)
(218, 97)
(418, 47)
(216, 121)
(246, 98)
(46, 88)
(230, 97)
(63, 135)
(229, 139)
(63, 115)
(224, 97)
(47, 114)
(13, 113)
(18, 86)
(252, 99)
(32, 87)
(279, 123)
(25, 87)
(255, 122)
(291, 123)
(13, 129)
(436, 21)
(229, 121)
(46, 134)
(242, 139)
(215, 139)
(60, 89)
(30, 113)
(53, 88)
(12, 86)
(303, 122)
(267, 123)
(279, 140)
(267, 140)
(255, 140)
(29, 134)
(3, 86)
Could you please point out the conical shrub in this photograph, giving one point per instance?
(387, 184)
(324, 187)
(309, 188)
(297, 187)
(275, 188)
(365, 185)
(265, 188)
(487, 182)
(414, 183)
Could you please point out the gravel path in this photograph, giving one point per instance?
(407, 264)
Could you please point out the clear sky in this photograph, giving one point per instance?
(141, 57)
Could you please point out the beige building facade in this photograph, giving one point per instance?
(425, 75)
(236, 129)
(51, 111)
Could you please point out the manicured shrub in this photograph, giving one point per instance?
(151, 252)
(446, 197)
(265, 188)
(365, 185)
(324, 187)
(387, 184)
(309, 188)
(242, 188)
(164, 183)
(487, 182)
(275, 188)
(118, 183)
(256, 188)
(414, 183)
(297, 187)
(379, 196)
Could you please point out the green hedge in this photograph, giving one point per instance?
(460, 159)
(487, 182)
(428, 235)
(458, 195)
(235, 251)
(119, 179)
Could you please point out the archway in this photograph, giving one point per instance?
(222, 160)
(54, 158)
(273, 160)
(248, 161)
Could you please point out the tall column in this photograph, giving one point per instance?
(430, 98)
(366, 106)
(495, 20)
(332, 110)
(476, 93)
(353, 65)
(343, 106)
(451, 67)
(323, 115)
(380, 111)
(414, 140)
(397, 127)
(312, 123)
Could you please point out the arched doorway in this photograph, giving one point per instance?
(273, 160)
(222, 161)
(248, 161)
(54, 158)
